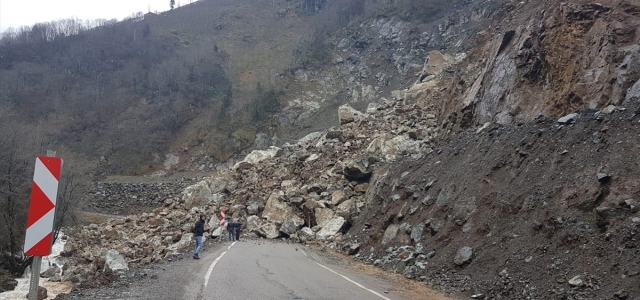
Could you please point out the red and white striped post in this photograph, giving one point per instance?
(42, 212)
(223, 217)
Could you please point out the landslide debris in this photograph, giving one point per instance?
(538, 210)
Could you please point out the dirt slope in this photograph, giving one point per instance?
(530, 200)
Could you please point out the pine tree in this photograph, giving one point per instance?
(172, 3)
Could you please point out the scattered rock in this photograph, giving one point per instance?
(347, 114)
(463, 256)
(390, 233)
(621, 294)
(358, 169)
(42, 293)
(604, 178)
(50, 272)
(608, 110)
(351, 248)
(568, 119)
(576, 281)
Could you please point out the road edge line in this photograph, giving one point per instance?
(213, 265)
(357, 284)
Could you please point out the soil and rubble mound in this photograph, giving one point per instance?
(308, 191)
(539, 210)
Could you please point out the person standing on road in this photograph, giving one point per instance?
(237, 226)
(230, 229)
(198, 231)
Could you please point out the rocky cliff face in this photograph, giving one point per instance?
(547, 57)
(373, 57)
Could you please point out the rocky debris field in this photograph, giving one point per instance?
(309, 191)
(541, 210)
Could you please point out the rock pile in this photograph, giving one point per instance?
(125, 198)
(307, 191)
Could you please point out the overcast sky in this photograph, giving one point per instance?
(16, 13)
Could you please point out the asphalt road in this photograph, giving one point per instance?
(262, 269)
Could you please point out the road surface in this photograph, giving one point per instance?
(261, 269)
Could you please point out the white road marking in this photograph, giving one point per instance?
(213, 265)
(348, 279)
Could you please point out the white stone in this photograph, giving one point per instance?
(331, 228)
(306, 234)
(257, 156)
(114, 262)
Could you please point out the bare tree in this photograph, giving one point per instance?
(14, 195)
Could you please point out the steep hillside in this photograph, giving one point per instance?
(460, 170)
(200, 83)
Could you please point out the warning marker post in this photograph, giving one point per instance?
(42, 212)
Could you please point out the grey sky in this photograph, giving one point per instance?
(16, 13)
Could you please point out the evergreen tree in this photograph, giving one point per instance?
(172, 3)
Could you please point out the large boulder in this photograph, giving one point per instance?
(338, 197)
(347, 209)
(252, 224)
(358, 169)
(279, 212)
(200, 194)
(398, 147)
(306, 234)
(253, 207)
(348, 114)
(331, 228)
(290, 226)
(391, 149)
(435, 63)
(268, 230)
(218, 232)
(184, 243)
(257, 156)
(115, 263)
(416, 232)
(221, 184)
(634, 92)
(323, 216)
(310, 138)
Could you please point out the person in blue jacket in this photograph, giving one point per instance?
(198, 231)
(231, 230)
(237, 226)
